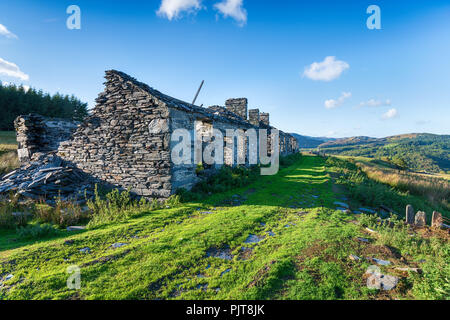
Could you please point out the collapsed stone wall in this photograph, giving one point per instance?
(126, 140)
(36, 134)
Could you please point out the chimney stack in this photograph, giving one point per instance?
(238, 106)
(264, 117)
(253, 117)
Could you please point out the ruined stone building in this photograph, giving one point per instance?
(126, 140)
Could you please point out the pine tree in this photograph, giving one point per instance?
(15, 101)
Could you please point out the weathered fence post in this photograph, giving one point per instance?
(436, 220)
(409, 214)
(421, 219)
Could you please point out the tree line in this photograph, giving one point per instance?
(15, 101)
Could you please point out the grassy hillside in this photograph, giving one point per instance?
(281, 237)
(435, 188)
(418, 152)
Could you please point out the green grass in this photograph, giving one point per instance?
(374, 184)
(166, 252)
(8, 154)
(8, 138)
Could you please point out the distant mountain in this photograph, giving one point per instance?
(310, 142)
(421, 152)
(348, 142)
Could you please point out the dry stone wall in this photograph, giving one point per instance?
(125, 141)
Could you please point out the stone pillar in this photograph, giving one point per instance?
(238, 106)
(409, 214)
(264, 117)
(29, 130)
(253, 117)
(436, 220)
(421, 219)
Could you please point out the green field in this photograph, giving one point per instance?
(8, 154)
(302, 253)
(7, 138)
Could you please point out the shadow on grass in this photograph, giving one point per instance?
(305, 181)
(9, 239)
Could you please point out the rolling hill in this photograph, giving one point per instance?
(310, 142)
(420, 152)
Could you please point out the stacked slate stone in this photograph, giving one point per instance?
(47, 177)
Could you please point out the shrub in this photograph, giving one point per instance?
(114, 207)
(367, 220)
(199, 169)
(173, 201)
(37, 231)
(399, 162)
(7, 208)
(290, 159)
(225, 179)
(64, 214)
(120, 206)
(7, 220)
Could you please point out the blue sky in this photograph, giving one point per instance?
(374, 82)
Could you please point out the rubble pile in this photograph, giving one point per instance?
(49, 178)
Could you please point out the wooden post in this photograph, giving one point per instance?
(198, 91)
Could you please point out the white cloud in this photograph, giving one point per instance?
(334, 103)
(392, 113)
(375, 103)
(12, 70)
(233, 9)
(5, 32)
(327, 70)
(171, 9)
